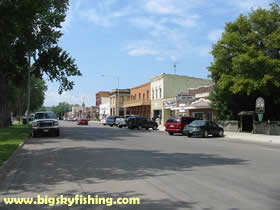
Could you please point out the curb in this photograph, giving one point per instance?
(4, 169)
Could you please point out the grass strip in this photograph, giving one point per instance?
(10, 139)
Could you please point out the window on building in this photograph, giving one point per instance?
(153, 94)
(143, 96)
(147, 95)
(139, 96)
(159, 92)
(156, 93)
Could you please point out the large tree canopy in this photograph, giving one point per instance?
(247, 64)
(30, 27)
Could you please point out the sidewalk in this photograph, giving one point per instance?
(247, 136)
(253, 137)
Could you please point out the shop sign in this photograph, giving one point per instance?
(185, 97)
(181, 110)
(169, 103)
(260, 105)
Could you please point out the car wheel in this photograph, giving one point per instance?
(154, 127)
(221, 133)
(189, 135)
(170, 133)
(140, 127)
(120, 126)
(205, 134)
(147, 128)
(111, 125)
(34, 134)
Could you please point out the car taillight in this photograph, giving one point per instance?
(185, 126)
(198, 126)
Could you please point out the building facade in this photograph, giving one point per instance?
(139, 101)
(164, 90)
(124, 95)
(101, 96)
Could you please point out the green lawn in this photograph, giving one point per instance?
(10, 138)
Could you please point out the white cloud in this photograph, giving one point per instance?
(94, 17)
(215, 35)
(141, 48)
(68, 20)
(53, 98)
(247, 5)
(191, 21)
(162, 7)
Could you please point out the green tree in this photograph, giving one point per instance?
(61, 108)
(247, 64)
(32, 28)
(17, 95)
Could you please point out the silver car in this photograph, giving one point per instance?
(45, 123)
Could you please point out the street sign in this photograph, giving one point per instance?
(260, 105)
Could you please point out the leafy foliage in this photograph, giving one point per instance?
(61, 108)
(32, 28)
(247, 63)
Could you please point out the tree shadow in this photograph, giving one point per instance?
(41, 170)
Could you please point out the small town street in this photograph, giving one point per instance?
(166, 172)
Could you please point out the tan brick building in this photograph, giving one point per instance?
(139, 102)
(124, 95)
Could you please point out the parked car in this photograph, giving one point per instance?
(176, 124)
(203, 128)
(140, 123)
(82, 121)
(122, 122)
(103, 121)
(111, 121)
(45, 123)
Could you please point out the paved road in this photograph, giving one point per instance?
(166, 172)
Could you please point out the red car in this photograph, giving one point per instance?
(176, 124)
(82, 121)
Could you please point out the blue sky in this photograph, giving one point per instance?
(138, 39)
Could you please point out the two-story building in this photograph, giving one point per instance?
(164, 90)
(139, 102)
(117, 108)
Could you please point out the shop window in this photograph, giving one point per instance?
(198, 115)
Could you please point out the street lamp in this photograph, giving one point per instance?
(118, 92)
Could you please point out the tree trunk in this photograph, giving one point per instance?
(4, 105)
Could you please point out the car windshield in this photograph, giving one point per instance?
(173, 120)
(83, 118)
(197, 123)
(47, 115)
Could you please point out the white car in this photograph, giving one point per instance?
(103, 121)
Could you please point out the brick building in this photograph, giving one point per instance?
(124, 95)
(101, 96)
(139, 102)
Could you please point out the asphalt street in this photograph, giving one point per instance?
(165, 172)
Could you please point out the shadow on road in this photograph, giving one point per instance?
(43, 169)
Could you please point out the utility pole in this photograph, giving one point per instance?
(118, 93)
(28, 88)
